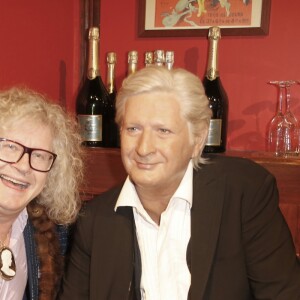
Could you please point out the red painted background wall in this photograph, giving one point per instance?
(39, 47)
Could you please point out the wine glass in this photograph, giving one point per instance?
(276, 126)
(292, 125)
(283, 133)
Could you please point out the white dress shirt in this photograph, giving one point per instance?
(14, 289)
(165, 274)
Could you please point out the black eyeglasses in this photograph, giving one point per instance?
(39, 159)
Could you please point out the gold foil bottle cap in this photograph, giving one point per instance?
(111, 57)
(159, 57)
(133, 57)
(169, 59)
(132, 62)
(94, 33)
(148, 58)
(214, 33)
(93, 67)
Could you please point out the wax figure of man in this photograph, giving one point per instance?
(40, 175)
(180, 227)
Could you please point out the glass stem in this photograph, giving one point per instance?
(280, 104)
(288, 97)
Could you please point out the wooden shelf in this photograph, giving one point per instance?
(103, 170)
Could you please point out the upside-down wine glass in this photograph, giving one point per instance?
(292, 124)
(275, 131)
(283, 134)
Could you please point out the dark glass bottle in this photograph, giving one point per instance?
(218, 100)
(93, 101)
(111, 59)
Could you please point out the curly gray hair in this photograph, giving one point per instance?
(60, 196)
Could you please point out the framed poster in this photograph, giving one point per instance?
(189, 18)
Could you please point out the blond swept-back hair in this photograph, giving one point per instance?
(186, 87)
(60, 196)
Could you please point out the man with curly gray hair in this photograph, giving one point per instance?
(40, 175)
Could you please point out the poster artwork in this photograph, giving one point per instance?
(195, 13)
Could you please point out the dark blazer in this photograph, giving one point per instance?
(32, 288)
(240, 247)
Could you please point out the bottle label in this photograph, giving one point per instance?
(214, 133)
(91, 127)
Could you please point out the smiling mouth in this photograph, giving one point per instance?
(15, 182)
(145, 165)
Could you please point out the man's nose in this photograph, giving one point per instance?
(146, 143)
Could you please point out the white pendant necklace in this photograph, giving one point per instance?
(7, 261)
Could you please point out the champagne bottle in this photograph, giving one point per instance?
(218, 101)
(132, 62)
(159, 57)
(148, 58)
(169, 59)
(111, 59)
(92, 104)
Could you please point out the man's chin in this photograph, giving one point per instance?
(143, 182)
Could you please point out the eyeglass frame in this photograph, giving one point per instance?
(29, 151)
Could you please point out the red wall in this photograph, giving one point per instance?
(40, 47)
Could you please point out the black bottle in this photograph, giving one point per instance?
(218, 100)
(93, 101)
(111, 59)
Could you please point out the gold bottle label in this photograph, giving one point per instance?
(91, 127)
(214, 132)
